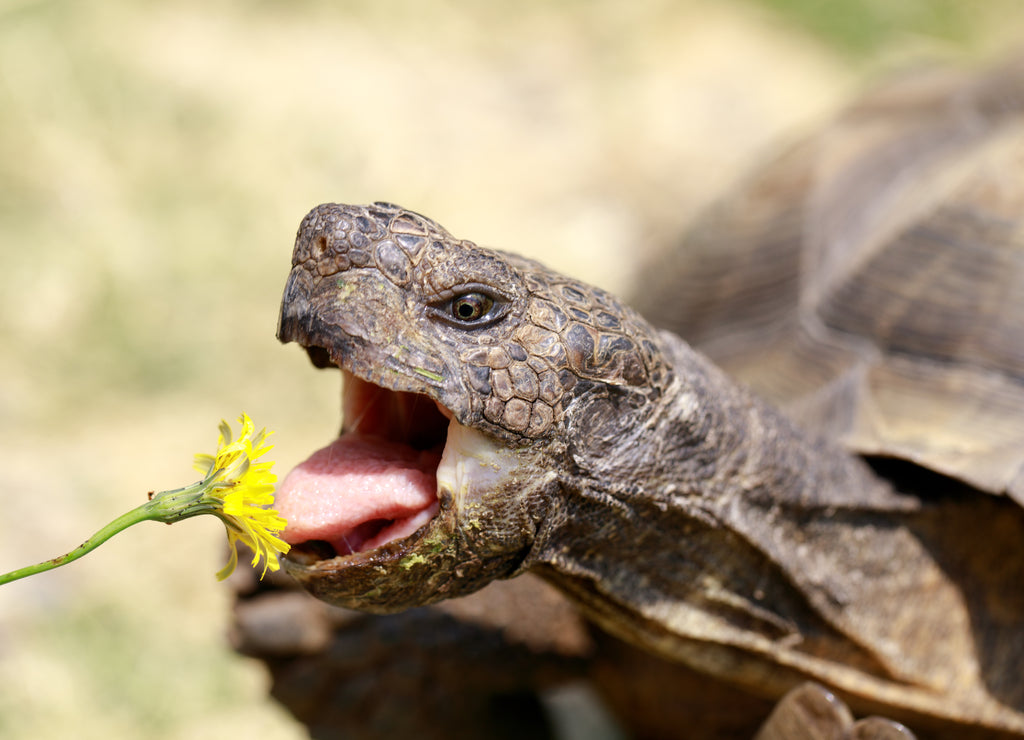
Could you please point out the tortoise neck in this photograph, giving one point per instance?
(708, 447)
(728, 450)
(687, 543)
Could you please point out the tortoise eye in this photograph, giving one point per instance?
(471, 307)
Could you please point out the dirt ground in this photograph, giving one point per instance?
(155, 160)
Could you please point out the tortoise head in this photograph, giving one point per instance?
(476, 386)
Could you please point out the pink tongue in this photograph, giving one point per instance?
(359, 489)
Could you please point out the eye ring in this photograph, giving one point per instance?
(470, 308)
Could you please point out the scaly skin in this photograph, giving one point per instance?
(677, 510)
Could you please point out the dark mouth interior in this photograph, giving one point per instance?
(386, 422)
(350, 543)
(408, 418)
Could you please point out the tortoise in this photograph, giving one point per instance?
(817, 495)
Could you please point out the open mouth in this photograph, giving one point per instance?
(375, 484)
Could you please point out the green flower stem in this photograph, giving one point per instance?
(167, 507)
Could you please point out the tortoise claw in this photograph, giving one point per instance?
(808, 712)
(812, 712)
(878, 728)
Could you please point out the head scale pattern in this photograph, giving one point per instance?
(562, 340)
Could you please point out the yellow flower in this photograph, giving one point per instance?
(237, 488)
(242, 491)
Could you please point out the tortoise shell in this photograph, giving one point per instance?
(871, 279)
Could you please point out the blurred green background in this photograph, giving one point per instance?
(155, 160)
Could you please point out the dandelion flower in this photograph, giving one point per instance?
(237, 488)
(243, 492)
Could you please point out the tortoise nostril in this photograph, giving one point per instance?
(319, 247)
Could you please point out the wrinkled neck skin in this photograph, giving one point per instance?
(728, 540)
(691, 502)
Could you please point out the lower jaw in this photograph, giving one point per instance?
(436, 562)
(404, 573)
